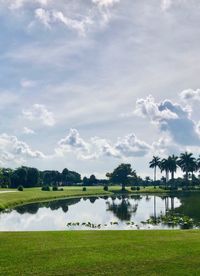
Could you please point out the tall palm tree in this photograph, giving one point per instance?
(172, 163)
(154, 163)
(164, 166)
(187, 163)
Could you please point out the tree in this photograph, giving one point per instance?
(122, 175)
(154, 163)
(164, 166)
(187, 163)
(32, 177)
(172, 165)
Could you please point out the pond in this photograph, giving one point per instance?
(106, 213)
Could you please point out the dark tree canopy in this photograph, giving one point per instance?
(123, 175)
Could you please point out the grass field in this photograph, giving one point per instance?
(100, 253)
(8, 200)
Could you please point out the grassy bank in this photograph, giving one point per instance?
(100, 253)
(8, 200)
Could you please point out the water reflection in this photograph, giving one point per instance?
(53, 205)
(117, 212)
(122, 210)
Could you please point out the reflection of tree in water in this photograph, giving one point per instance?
(122, 210)
(53, 205)
(190, 206)
(93, 199)
(136, 197)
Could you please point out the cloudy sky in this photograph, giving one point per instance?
(90, 84)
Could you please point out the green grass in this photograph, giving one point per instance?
(100, 253)
(8, 200)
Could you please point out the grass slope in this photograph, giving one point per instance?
(100, 253)
(8, 200)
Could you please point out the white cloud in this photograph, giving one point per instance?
(129, 146)
(14, 150)
(105, 3)
(27, 130)
(153, 111)
(72, 142)
(43, 16)
(41, 113)
(77, 25)
(77, 16)
(102, 147)
(170, 117)
(190, 94)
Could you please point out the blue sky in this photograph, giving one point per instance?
(90, 84)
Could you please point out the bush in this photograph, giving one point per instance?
(5, 186)
(138, 188)
(20, 188)
(84, 189)
(55, 188)
(46, 188)
(133, 188)
(105, 188)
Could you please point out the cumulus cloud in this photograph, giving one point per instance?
(12, 149)
(153, 111)
(130, 146)
(170, 117)
(41, 113)
(96, 147)
(190, 94)
(72, 142)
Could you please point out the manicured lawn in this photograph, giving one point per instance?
(100, 253)
(35, 194)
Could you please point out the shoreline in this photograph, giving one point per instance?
(11, 199)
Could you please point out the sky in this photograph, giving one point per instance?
(90, 84)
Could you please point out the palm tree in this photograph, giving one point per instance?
(154, 163)
(164, 166)
(172, 163)
(187, 163)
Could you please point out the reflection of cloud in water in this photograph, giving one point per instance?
(98, 210)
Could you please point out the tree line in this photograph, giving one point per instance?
(186, 162)
(123, 175)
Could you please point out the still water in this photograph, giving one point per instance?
(105, 213)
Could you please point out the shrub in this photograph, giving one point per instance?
(20, 188)
(55, 188)
(61, 189)
(133, 188)
(3, 185)
(46, 188)
(138, 188)
(84, 189)
(105, 188)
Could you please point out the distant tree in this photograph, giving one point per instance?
(187, 163)
(64, 176)
(172, 165)
(92, 180)
(154, 163)
(122, 175)
(164, 167)
(5, 177)
(32, 177)
(85, 181)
